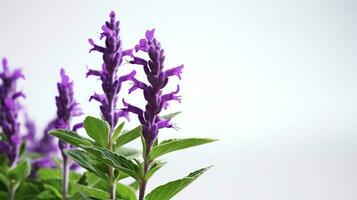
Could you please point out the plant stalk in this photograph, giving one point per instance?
(65, 166)
(112, 181)
(142, 190)
(11, 192)
(143, 182)
(112, 190)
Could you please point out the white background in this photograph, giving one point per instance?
(275, 81)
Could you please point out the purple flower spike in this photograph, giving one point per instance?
(111, 82)
(158, 79)
(9, 108)
(67, 108)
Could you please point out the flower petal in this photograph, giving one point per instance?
(137, 84)
(150, 34)
(176, 71)
(92, 72)
(99, 97)
(172, 96)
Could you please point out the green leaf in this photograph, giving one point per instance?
(84, 160)
(122, 191)
(143, 144)
(27, 190)
(48, 174)
(92, 192)
(3, 179)
(70, 137)
(79, 196)
(156, 142)
(134, 185)
(3, 173)
(92, 179)
(54, 186)
(128, 152)
(115, 160)
(171, 115)
(120, 175)
(46, 195)
(127, 137)
(3, 163)
(98, 130)
(167, 191)
(168, 146)
(3, 195)
(20, 171)
(154, 167)
(22, 149)
(125, 192)
(117, 131)
(54, 190)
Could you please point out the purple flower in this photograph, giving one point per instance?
(9, 108)
(111, 83)
(158, 79)
(67, 107)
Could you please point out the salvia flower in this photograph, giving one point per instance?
(9, 108)
(153, 92)
(111, 83)
(67, 107)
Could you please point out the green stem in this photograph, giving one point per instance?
(65, 177)
(143, 181)
(112, 181)
(112, 190)
(11, 192)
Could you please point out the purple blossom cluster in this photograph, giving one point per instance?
(111, 83)
(157, 78)
(67, 108)
(9, 108)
